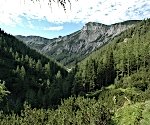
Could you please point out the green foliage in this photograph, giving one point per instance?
(135, 114)
(75, 111)
(26, 73)
(3, 91)
(129, 114)
(145, 120)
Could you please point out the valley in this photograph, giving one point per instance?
(109, 83)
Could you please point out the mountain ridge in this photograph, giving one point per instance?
(76, 46)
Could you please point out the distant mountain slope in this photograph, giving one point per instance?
(77, 45)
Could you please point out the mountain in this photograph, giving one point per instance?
(76, 46)
(126, 56)
(109, 87)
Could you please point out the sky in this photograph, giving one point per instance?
(25, 17)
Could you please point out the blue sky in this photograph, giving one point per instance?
(23, 17)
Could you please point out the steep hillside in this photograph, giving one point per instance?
(78, 45)
(126, 55)
(28, 75)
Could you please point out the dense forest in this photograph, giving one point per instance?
(110, 87)
(28, 76)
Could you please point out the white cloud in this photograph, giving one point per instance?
(104, 11)
(55, 28)
(30, 25)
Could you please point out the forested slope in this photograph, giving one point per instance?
(127, 55)
(28, 75)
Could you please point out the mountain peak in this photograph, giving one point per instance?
(93, 24)
(92, 27)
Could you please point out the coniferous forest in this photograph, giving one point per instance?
(109, 87)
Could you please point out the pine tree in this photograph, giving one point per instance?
(26, 58)
(22, 58)
(58, 75)
(10, 50)
(16, 55)
(3, 91)
(22, 72)
(48, 70)
(39, 65)
(18, 69)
